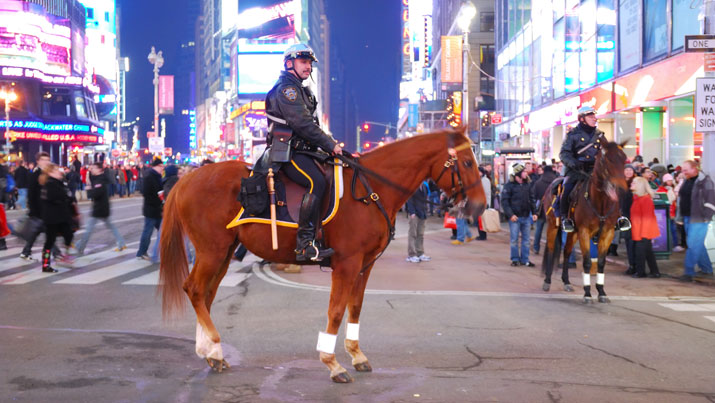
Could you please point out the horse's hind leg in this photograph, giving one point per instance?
(201, 287)
(603, 245)
(550, 254)
(351, 334)
(585, 243)
(344, 276)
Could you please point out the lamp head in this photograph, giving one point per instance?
(466, 14)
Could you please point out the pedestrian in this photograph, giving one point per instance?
(697, 206)
(152, 207)
(21, 178)
(121, 180)
(34, 204)
(625, 201)
(130, 179)
(518, 205)
(111, 179)
(644, 227)
(459, 212)
(487, 186)
(56, 200)
(4, 229)
(171, 176)
(417, 212)
(135, 179)
(98, 192)
(539, 189)
(678, 220)
(73, 180)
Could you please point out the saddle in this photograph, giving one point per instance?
(557, 190)
(254, 197)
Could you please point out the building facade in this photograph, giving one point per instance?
(625, 58)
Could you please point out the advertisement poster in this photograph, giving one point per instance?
(451, 59)
(660, 244)
(166, 95)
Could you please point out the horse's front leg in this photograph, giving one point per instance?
(603, 245)
(353, 326)
(584, 237)
(568, 250)
(343, 280)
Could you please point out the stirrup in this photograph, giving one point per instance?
(623, 224)
(567, 225)
(319, 254)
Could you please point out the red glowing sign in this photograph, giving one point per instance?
(83, 138)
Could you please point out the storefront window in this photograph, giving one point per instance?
(626, 131)
(605, 39)
(57, 102)
(558, 64)
(681, 141)
(535, 74)
(629, 43)
(572, 50)
(587, 77)
(79, 106)
(656, 29)
(685, 21)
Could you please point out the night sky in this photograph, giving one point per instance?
(367, 34)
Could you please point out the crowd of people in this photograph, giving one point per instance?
(50, 194)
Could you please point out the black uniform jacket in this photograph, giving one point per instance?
(290, 101)
(576, 140)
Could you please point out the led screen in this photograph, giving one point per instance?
(257, 72)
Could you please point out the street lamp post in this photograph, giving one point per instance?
(464, 20)
(8, 96)
(158, 61)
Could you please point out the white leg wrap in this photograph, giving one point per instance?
(352, 331)
(326, 342)
(586, 279)
(600, 278)
(205, 348)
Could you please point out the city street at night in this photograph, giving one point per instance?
(464, 327)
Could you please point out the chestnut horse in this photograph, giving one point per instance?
(594, 215)
(203, 202)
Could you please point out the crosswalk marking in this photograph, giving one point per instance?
(106, 273)
(6, 266)
(30, 275)
(680, 307)
(11, 252)
(231, 279)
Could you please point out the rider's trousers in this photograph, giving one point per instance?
(302, 170)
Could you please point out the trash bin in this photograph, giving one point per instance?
(663, 245)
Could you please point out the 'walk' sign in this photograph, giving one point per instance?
(705, 105)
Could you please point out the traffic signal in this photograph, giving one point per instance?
(367, 145)
(486, 120)
(365, 127)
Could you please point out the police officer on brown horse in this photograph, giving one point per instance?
(578, 153)
(294, 128)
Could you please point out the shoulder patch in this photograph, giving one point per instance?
(290, 93)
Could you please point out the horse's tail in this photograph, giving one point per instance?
(174, 267)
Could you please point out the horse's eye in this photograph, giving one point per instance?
(468, 163)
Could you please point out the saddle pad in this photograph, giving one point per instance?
(283, 217)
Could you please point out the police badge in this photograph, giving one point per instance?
(291, 93)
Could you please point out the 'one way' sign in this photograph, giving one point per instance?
(705, 105)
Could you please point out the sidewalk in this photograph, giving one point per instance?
(484, 266)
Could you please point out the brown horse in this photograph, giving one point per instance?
(203, 202)
(595, 215)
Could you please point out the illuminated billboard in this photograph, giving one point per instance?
(259, 66)
(267, 19)
(101, 40)
(32, 39)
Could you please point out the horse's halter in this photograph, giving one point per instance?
(452, 164)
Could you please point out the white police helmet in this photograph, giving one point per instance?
(299, 51)
(586, 110)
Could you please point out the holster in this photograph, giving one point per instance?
(281, 145)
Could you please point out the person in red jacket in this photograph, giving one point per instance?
(645, 227)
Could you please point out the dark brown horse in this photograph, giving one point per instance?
(204, 202)
(595, 215)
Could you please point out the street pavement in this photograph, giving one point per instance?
(464, 327)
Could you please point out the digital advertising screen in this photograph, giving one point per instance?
(258, 72)
(267, 19)
(31, 39)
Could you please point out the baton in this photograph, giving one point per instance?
(272, 195)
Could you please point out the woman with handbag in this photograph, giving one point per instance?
(57, 214)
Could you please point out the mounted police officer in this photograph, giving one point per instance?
(294, 129)
(578, 153)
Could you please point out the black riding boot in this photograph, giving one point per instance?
(306, 245)
(566, 222)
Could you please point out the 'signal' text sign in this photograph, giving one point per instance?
(705, 105)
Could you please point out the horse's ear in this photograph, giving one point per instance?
(603, 141)
(623, 143)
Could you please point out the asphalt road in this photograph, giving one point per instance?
(95, 333)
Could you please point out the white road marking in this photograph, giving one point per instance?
(267, 275)
(685, 307)
(712, 318)
(231, 279)
(11, 252)
(30, 276)
(106, 273)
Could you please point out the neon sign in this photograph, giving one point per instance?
(20, 72)
(84, 138)
(192, 129)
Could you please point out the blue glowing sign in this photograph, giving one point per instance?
(192, 129)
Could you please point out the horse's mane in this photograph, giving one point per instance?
(415, 142)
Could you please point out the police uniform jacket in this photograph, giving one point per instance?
(295, 104)
(576, 140)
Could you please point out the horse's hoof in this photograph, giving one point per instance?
(218, 365)
(546, 286)
(567, 287)
(603, 299)
(342, 377)
(587, 300)
(363, 367)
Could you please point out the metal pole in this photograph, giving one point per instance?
(357, 146)
(156, 101)
(465, 81)
(708, 159)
